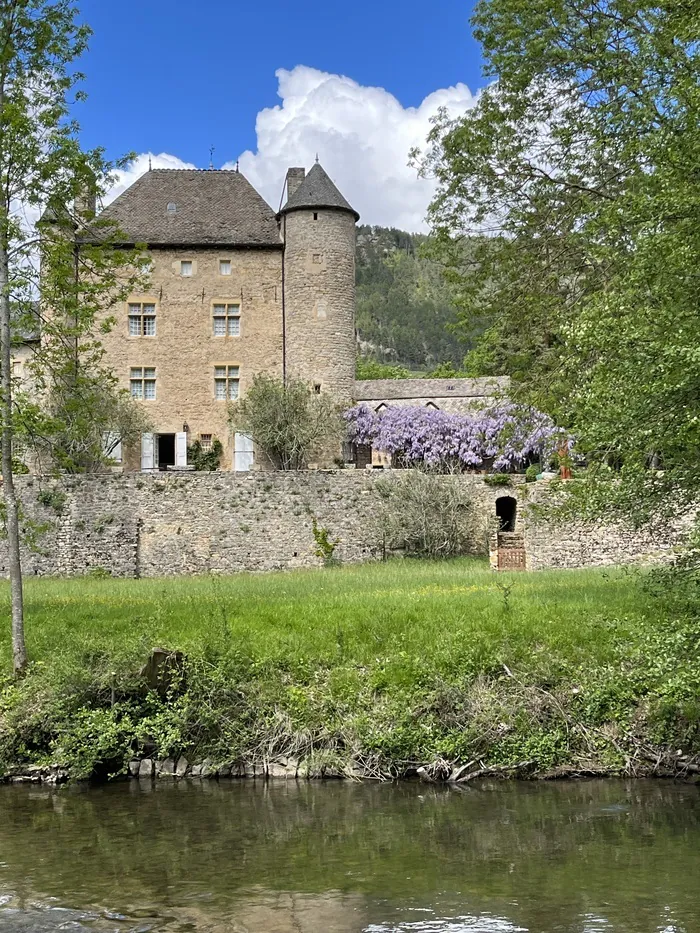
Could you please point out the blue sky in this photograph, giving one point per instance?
(177, 77)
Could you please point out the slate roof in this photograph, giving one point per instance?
(212, 208)
(317, 190)
(387, 389)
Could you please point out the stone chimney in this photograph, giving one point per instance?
(295, 176)
(86, 202)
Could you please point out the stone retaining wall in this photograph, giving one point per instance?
(149, 525)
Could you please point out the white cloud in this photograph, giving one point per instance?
(362, 135)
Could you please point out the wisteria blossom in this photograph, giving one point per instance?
(506, 435)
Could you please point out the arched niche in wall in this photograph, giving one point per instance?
(506, 512)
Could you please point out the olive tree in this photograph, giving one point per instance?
(289, 421)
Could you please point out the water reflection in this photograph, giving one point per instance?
(578, 858)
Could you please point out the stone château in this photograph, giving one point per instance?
(234, 290)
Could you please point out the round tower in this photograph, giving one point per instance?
(318, 229)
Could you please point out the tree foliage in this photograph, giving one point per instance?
(288, 421)
(405, 309)
(427, 515)
(372, 369)
(577, 174)
(43, 169)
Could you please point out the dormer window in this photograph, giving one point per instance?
(172, 208)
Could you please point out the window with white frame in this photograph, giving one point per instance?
(226, 382)
(224, 267)
(143, 382)
(186, 268)
(227, 320)
(142, 319)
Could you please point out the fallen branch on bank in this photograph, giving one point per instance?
(490, 772)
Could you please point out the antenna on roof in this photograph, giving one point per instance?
(211, 157)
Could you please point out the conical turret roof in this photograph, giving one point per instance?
(318, 191)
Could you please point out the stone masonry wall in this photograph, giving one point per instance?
(187, 523)
(319, 288)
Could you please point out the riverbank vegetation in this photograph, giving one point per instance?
(375, 670)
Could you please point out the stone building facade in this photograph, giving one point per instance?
(233, 290)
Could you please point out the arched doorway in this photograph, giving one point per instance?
(506, 512)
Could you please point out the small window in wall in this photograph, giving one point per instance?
(224, 267)
(226, 383)
(317, 259)
(186, 268)
(172, 208)
(143, 382)
(315, 216)
(142, 319)
(317, 388)
(227, 320)
(506, 512)
(205, 441)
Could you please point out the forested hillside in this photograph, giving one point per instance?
(404, 309)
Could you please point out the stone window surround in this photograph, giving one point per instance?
(141, 315)
(225, 263)
(231, 318)
(231, 380)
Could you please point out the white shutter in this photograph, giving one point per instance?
(112, 446)
(148, 446)
(116, 453)
(181, 449)
(243, 456)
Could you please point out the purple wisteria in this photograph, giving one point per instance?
(506, 436)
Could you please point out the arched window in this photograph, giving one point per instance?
(506, 512)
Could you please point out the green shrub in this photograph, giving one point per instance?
(205, 459)
(325, 548)
(497, 479)
(52, 499)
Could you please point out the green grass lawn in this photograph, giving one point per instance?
(386, 664)
(433, 611)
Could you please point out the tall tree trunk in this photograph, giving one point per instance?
(19, 650)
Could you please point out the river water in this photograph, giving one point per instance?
(589, 857)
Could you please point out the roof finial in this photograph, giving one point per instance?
(238, 165)
(211, 157)
(150, 164)
(317, 158)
